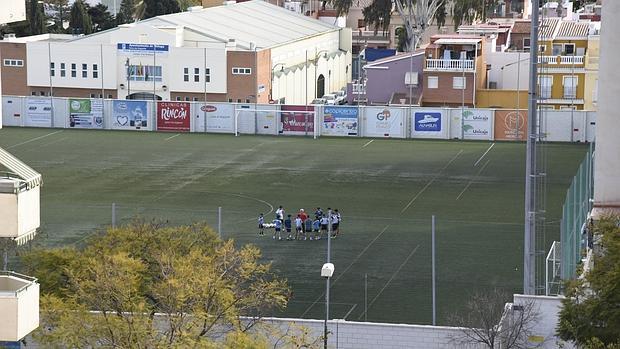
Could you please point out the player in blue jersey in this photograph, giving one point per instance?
(277, 229)
(287, 226)
(261, 225)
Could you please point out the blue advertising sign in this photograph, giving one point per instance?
(427, 121)
(128, 114)
(142, 48)
(340, 121)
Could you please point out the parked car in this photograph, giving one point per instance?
(341, 97)
(319, 101)
(330, 98)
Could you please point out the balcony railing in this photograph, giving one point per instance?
(450, 64)
(568, 60)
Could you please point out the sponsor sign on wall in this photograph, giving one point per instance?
(173, 116)
(384, 122)
(85, 113)
(38, 112)
(142, 49)
(294, 122)
(510, 125)
(128, 114)
(220, 117)
(340, 121)
(477, 124)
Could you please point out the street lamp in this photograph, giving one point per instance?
(316, 57)
(272, 73)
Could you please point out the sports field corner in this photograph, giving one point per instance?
(386, 189)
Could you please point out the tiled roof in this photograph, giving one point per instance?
(521, 27)
(571, 29)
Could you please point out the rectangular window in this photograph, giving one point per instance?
(73, 70)
(557, 50)
(545, 84)
(95, 71)
(196, 75)
(145, 73)
(433, 82)
(207, 75)
(109, 96)
(459, 83)
(187, 99)
(52, 69)
(569, 49)
(186, 74)
(195, 99)
(526, 43)
(570, 86)
(84, 70)
(230, 100)
(542, 48)
(92, 95)
(63, 70)
(34, 93)
(178, 98)
(13, 63)
(242, 71)
(239, 100)
(247, 101)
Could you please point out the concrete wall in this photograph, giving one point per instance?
(501, 99)
(509, 69)
(548, 309)
(369, 335)
(607, 166)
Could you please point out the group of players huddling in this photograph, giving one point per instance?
(305, 227)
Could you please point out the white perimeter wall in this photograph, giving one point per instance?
(548, 309)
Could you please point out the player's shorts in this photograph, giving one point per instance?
(323, 226)
(288, 230)
(278, 229)
(260, 226)
(335, 226)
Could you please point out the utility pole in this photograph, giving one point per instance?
(529, 248)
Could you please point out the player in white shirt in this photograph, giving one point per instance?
(298, 227)
(280, 213)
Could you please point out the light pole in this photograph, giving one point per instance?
(272, 73)
(327, 271)
(128, 78)
(316, 57)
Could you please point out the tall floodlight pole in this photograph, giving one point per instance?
(529, 247)
(329, 238)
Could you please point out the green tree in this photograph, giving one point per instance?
(151, 8)
(126, 13)
(469, 11)
(101, 18)
(184, 4)
(80, 22)
(197, 284)
(59, 13)
(590, 312)
(36, 18)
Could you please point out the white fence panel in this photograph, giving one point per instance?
(579, 126)
(214, 117)
(13, 113)
(429, 123)
(556, 125)
(266, 118)
(590, 126)
(385, 122)
(60, 113)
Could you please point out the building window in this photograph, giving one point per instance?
(433, 82)
(178, 98)
(459, 83)
(545, 84)
(526, 43)
(84, 70)
(241, 71)
(569, 49)
(95, 71)
(52, 69)
(207, 75)
(109, 96)
(92, 95)
(557, 49)
(195, 99)
(186, 74)
(63, 70)
(570, 86)
(34, 93)
(238, 100)
(42, 93)
(186, 99)
(145, 73)
(247, 101)
(13, 63)
(73, 70)
(542, 48)
(230, 100)
(196, 74)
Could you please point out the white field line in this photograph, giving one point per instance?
(390, 280)
(367, 144)
(430, 182)
(34, 139)
(171, 137)
(485, 153)
(472, 180)
(346, 269)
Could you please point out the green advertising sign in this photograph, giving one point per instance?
(79, 106)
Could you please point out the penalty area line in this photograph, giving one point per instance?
(34, 139)
(472, 180)
(367, 144)
(171, 137)
(485, 153)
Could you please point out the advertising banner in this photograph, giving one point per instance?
(85, 113)
(428, 124)
(477, 124)
(128, 114)
(384, 122)
(173, 116)
(296, 123)
(220, 117)
(510, 125)
(339, 121)
(38, 112)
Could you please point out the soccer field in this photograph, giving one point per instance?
(385, 189)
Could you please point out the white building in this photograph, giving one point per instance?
(227, 53)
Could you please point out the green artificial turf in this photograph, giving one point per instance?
(386, 190)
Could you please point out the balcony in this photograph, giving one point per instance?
(450, 64)
(565, 60)
(19, 306)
